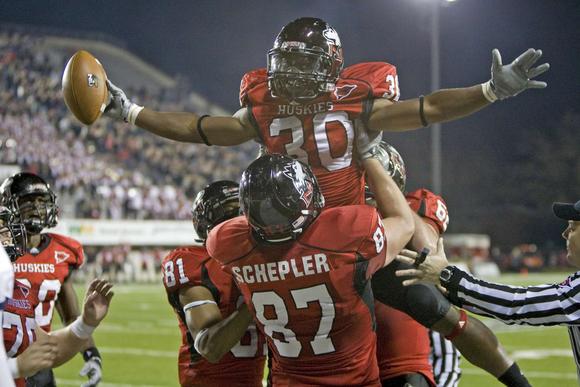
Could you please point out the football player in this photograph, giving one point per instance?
(403, 356)
(30, 348)
(306, 106)
(304, 271)
(220, 345)
(48, 263)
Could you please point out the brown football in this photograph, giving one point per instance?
(84, 87)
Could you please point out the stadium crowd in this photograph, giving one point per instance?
(111, 171)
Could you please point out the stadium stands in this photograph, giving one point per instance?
(108, 170)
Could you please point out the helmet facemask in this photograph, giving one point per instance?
(213, 205)
(12, 235)
(305, 61)
(300, 74)
(37, 211)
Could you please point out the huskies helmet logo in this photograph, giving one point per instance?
(296, 174)
(332, 36)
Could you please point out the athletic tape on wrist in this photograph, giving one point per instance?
(13, 367)
(488, 92)
(134, 111)
(80, 329)
(197, 303)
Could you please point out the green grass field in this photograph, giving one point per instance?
(139, 342)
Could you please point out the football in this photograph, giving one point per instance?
(84, 87)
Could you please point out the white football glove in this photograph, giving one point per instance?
(511, 79)
(368, 144)
(120, 106)
(93, 370)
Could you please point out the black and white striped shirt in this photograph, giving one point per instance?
(550, 304)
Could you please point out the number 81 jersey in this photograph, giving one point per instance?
(243, 365)
(321, 132)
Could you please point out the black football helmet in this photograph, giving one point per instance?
(393, 163)
(280, 197)
(12, 234)
(305, 61)
(214, 204)
(31, 200)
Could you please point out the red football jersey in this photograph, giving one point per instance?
(244, 364)
(430, 207)
(18, 320)
(311, 297)
(47, 269)
(402, 343)
(321, 132)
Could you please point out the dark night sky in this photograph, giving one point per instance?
(214, 42)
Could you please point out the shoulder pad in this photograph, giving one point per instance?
(73, 245)
(429, 206)
(381, 76)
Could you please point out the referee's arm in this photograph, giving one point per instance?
(550, 304)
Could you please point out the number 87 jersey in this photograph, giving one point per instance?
(311, 297)
(321, 132)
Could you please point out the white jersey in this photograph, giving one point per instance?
(6, 285)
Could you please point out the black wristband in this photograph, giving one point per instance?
(424, 121)
(200, 131)
(89, 353)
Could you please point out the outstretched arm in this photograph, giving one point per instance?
(450, 104)
(510, 304)
(181, 126)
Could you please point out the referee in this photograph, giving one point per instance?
(550, 304)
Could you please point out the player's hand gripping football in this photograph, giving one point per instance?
(120, 106)
(427, 271)
(97, 301)
(511, 79)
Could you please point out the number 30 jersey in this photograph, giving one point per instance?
(243, 366)
(311, 297)
(321, 132)
(57, 257)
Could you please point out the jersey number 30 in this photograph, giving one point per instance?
(322, 123)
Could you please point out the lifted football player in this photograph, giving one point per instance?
(220, 345)
(306, 106)
(48, 262)
(305, 272)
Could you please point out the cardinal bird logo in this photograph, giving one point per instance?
(342, 92)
